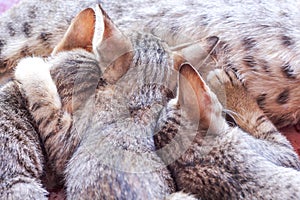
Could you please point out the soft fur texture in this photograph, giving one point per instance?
(216, 161)
(21, 154)
(108, 150)
(257, 39)
(249, 36)
(5, 5)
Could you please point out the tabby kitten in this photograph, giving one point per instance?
(104, 122)
(21, 154)
(214, 160)
(259, 39)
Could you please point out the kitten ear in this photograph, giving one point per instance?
(194, 95)
(93, 30)
(196, 53)
(112, 48)
(80, 33)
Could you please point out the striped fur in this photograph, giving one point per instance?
(258, 39)
(21, 154)
(104, 129)
(116, 158)
(216, 161)
(253, 55)
(255, 122)
(75, 76)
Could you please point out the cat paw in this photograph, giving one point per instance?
(31, 69)
(219, 78)
(33, 75)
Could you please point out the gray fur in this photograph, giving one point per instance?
(266, 32)
(109, 140)
(85, 116)
(21, 155)
(35, 34)
(224, 162)
(52, 102)
(117, 152)
(230, 22)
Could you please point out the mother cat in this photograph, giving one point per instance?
(258, 39)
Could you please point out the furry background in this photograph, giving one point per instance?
(292, 133)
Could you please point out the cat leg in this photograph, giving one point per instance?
(46, 108)
(21, 159)
(248, 116)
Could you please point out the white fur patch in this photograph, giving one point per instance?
(34, 76)
(180, 196)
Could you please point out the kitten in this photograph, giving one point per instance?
(52, 111)
(258, 39)
(104, 121)
(220, 56)
(21, 154)
(212, 160)
(255, 122)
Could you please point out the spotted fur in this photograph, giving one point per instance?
(269, 47)
(261, 38)
(26, 25)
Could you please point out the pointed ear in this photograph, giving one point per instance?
(93, 30)
(196, 53)
(194, 95)
(112, 48)
(79, 34)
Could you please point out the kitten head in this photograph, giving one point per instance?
(117, 52)
(193, 117)
(141, 66)
(196, 100)
(195, 103)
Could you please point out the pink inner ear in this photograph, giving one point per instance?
(80, 33)
(196, 81)
(206, 99)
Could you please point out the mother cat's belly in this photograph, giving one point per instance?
(270, 72)
(279, 98)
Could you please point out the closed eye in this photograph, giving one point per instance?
(229, 118)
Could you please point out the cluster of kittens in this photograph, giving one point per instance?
(121, 114)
